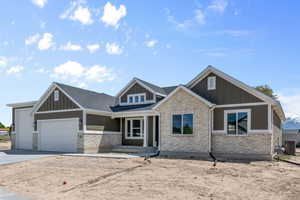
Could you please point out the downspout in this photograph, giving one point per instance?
(210, 120)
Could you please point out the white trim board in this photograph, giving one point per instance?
(181, 87)
(49, 91)
(241, 105)
(58, 111)
(131, 83)
(21, 104)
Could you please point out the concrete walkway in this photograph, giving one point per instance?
(5, 195)
(9, 157)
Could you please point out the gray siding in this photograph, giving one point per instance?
(60, 115)
(136, 89)
(225, 92)
(108, 123)
(64, 103)
(259, 117)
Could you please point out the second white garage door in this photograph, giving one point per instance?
(58, 135)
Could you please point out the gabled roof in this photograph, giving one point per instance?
(85, 99)
(89, 99)
(182, 87)
(249, 89)
(149, 86)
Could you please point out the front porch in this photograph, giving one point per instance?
(140, 130)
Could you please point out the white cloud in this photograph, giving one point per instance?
(76, 72)
(290, 103)
(112, 15)
(113, 49)
(71, 47)
(99, 73)
(93, 47)
(39, 3)
(78, 12)
(42, 71)
(3, 61)
(15, 70)
(235, 33)
(218, 6)
(151, 43)
(83, 15)
(70, 69)
(199, 17)
(32, 39)
(46, 41)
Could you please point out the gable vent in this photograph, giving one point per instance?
(211, 83)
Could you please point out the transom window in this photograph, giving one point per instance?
(182, 124)
(134, 128)
(56, 95)
(136, 98)
(237, 122)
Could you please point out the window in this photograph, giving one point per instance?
(237, 122)
(130, 99)
(136, 98)
(211, 83)
(142, 98)
(182, 124)
(135, 128)
(56, 95)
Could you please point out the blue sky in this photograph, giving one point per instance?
(101, 45)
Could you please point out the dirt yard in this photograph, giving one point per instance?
(104, 178)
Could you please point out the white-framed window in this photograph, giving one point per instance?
(237, 122)
(136, 98)
(134, 128)
(56, 95)
(182, 124)
(211, 83)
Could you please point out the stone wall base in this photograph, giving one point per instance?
(218, 156)
(245, 157)
(95, 143)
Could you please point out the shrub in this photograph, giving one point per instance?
(298, 145)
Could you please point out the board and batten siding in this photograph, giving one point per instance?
(225, 92)
(64, 103)
(59, 115)
(137, 89)
(106, 122)
(259, 117)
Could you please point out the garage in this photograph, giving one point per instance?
(23, 128)
(58, 135)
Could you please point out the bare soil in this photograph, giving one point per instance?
(104, 178)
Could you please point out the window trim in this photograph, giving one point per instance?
(209, 87)
(131, 128)
(181, 134)
(139, 98)
(56, 95)
(226, 112)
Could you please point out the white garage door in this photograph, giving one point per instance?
(24, 128)
(58, 135)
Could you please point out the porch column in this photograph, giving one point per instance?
(154, 131)
(145, 131)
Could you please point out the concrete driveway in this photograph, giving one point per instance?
(9, 157)
(5, 195)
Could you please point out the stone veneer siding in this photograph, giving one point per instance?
(95, 142)
(277, 138)
(184, 103)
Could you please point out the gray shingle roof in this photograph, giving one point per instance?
(155, 88)
(89, 99)
(142, 107)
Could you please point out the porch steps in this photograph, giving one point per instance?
(133, 149)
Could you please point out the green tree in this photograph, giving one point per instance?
(2, 125)
(267, 90)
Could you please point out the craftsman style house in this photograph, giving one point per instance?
(213, 113)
